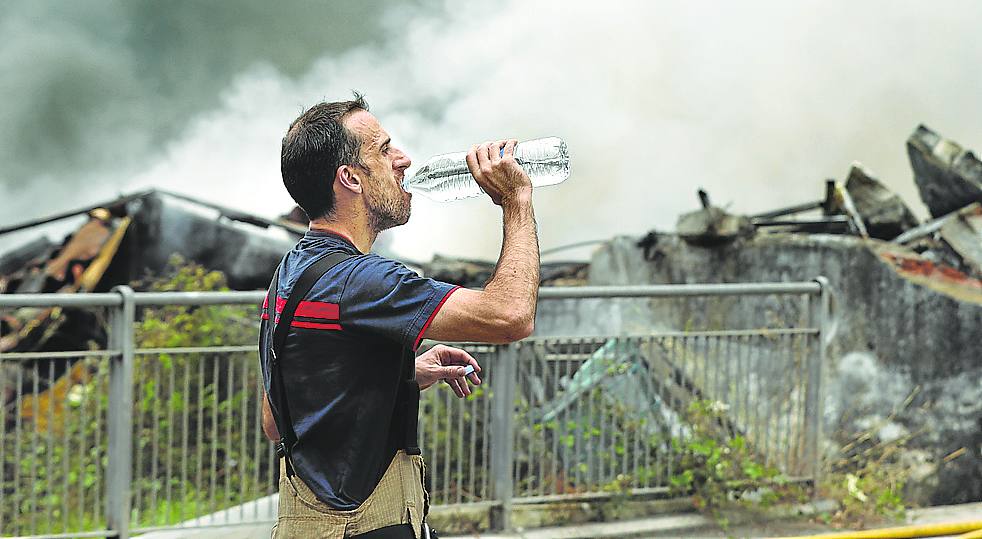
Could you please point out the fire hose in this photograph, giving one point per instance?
(970, 530)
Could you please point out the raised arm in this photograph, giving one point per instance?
(505, 310)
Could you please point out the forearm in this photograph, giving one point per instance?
(269, 424)
(505, 310)
(514, 284)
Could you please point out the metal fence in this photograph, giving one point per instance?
(158, 429)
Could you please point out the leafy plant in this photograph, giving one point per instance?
(720, 470)
(196, 417)
(868, 482)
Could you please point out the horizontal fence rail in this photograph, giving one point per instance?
(152, 423)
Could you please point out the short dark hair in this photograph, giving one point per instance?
(314, 147)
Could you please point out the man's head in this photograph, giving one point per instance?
(338, 153)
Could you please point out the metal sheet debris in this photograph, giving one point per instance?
(884, 213)
(948, 176)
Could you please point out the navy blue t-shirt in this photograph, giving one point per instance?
(342, 361)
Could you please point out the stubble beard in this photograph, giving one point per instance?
(386, 210)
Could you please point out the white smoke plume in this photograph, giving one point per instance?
(757, 102)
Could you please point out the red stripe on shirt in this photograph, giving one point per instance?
(432, 316)
(318, 309)
(314, 325)
(308, 309)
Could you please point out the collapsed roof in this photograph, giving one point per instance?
(134, 236)
(948, 177)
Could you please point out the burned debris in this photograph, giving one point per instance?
(123, 241)
(950, 182)
(884, 214)
(948, 176)
(712, 225)
(134, 236)
(907, 308)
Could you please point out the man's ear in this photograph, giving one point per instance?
(348, 177)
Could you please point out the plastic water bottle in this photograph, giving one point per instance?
(446, 177)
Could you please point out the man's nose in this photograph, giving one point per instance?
(402, 161)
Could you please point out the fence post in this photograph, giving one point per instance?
(814, 401)
(502, 433)
(119, 472)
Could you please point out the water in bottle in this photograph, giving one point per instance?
(446, 177)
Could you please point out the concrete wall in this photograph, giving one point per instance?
(894, 336)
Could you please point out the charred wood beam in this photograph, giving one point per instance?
(704, 199)
(828, 205)
(790, 210)
(926, 229)
(832, 223)
(855, 220)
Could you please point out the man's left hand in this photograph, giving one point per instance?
(445, 363)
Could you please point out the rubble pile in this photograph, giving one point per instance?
(122, 241)
(904, 354)
(948, 177)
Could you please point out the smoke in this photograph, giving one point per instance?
(93, 89)
(757, 102)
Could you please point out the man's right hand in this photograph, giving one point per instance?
(497, 171)
(505, 310)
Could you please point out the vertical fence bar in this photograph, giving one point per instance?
(155, 441)
(256, 447)
(243, 442)
(814, 408)
(502, 433)
(169, 451)
(33, 449)
(447, 445)
(119, 471)
(139, 481)
(199, 446)
(4, 436)
(185, 426)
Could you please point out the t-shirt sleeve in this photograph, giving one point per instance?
(384, 297)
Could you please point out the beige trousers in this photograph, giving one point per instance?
(398, 498)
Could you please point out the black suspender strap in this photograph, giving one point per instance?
(409, 395)
(410, 404)
(281, 328)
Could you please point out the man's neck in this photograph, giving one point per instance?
(361, 236)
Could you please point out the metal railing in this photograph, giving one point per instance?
(119, 440)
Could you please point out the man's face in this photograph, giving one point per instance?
(384, 168)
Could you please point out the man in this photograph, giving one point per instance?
(355, 467)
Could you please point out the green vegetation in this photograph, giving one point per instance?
(868, 480)
(196, 413)
(720, 470)
(194, 421)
